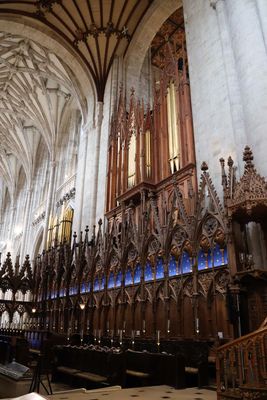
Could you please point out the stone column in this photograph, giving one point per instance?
(49, 203)
(262, 12)
(233, 86)
(80, 179)
(26, 224)
(9, 247)
(96, 161)
(251, 62)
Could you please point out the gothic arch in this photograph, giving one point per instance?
(37, 242)
(157, 14)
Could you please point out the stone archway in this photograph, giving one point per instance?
(152, 21)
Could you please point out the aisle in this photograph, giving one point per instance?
(142, 393)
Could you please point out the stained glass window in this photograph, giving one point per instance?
(96, 285)
(111, 281)
(209, 258)
(159, 269)
(186, 265)
(172, 266)
(102, 283)
(118, 279)
(225, 256)
(137, 273)
(201, 260)
(83, 287)
(219, 258)
(128, 277)
(148, 272)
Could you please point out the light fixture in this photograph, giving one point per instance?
(34, 310)
(82, 306)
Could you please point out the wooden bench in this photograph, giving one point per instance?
(88, 366)
(195, 359)
(146, 368)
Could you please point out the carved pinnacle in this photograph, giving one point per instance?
(230, 162)
(248, 157)
(204, 166)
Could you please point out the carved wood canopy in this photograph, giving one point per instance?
(247, 194)
(97, 30)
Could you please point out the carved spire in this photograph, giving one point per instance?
(250, 191)
(208, 198)
(224, 176)
(204, 166)
(248, 158)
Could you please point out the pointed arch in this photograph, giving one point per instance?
(37, 243)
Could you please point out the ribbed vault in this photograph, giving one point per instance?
(35, 90)
(97, 30)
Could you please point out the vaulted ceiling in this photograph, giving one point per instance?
(35, 89)
(36, 86)
(97, 30)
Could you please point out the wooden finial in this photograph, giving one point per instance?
(204, 166)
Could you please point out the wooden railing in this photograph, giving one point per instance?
(242, 367)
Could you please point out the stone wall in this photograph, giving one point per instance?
(227, 63)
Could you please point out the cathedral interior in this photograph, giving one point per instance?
(133, 194)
